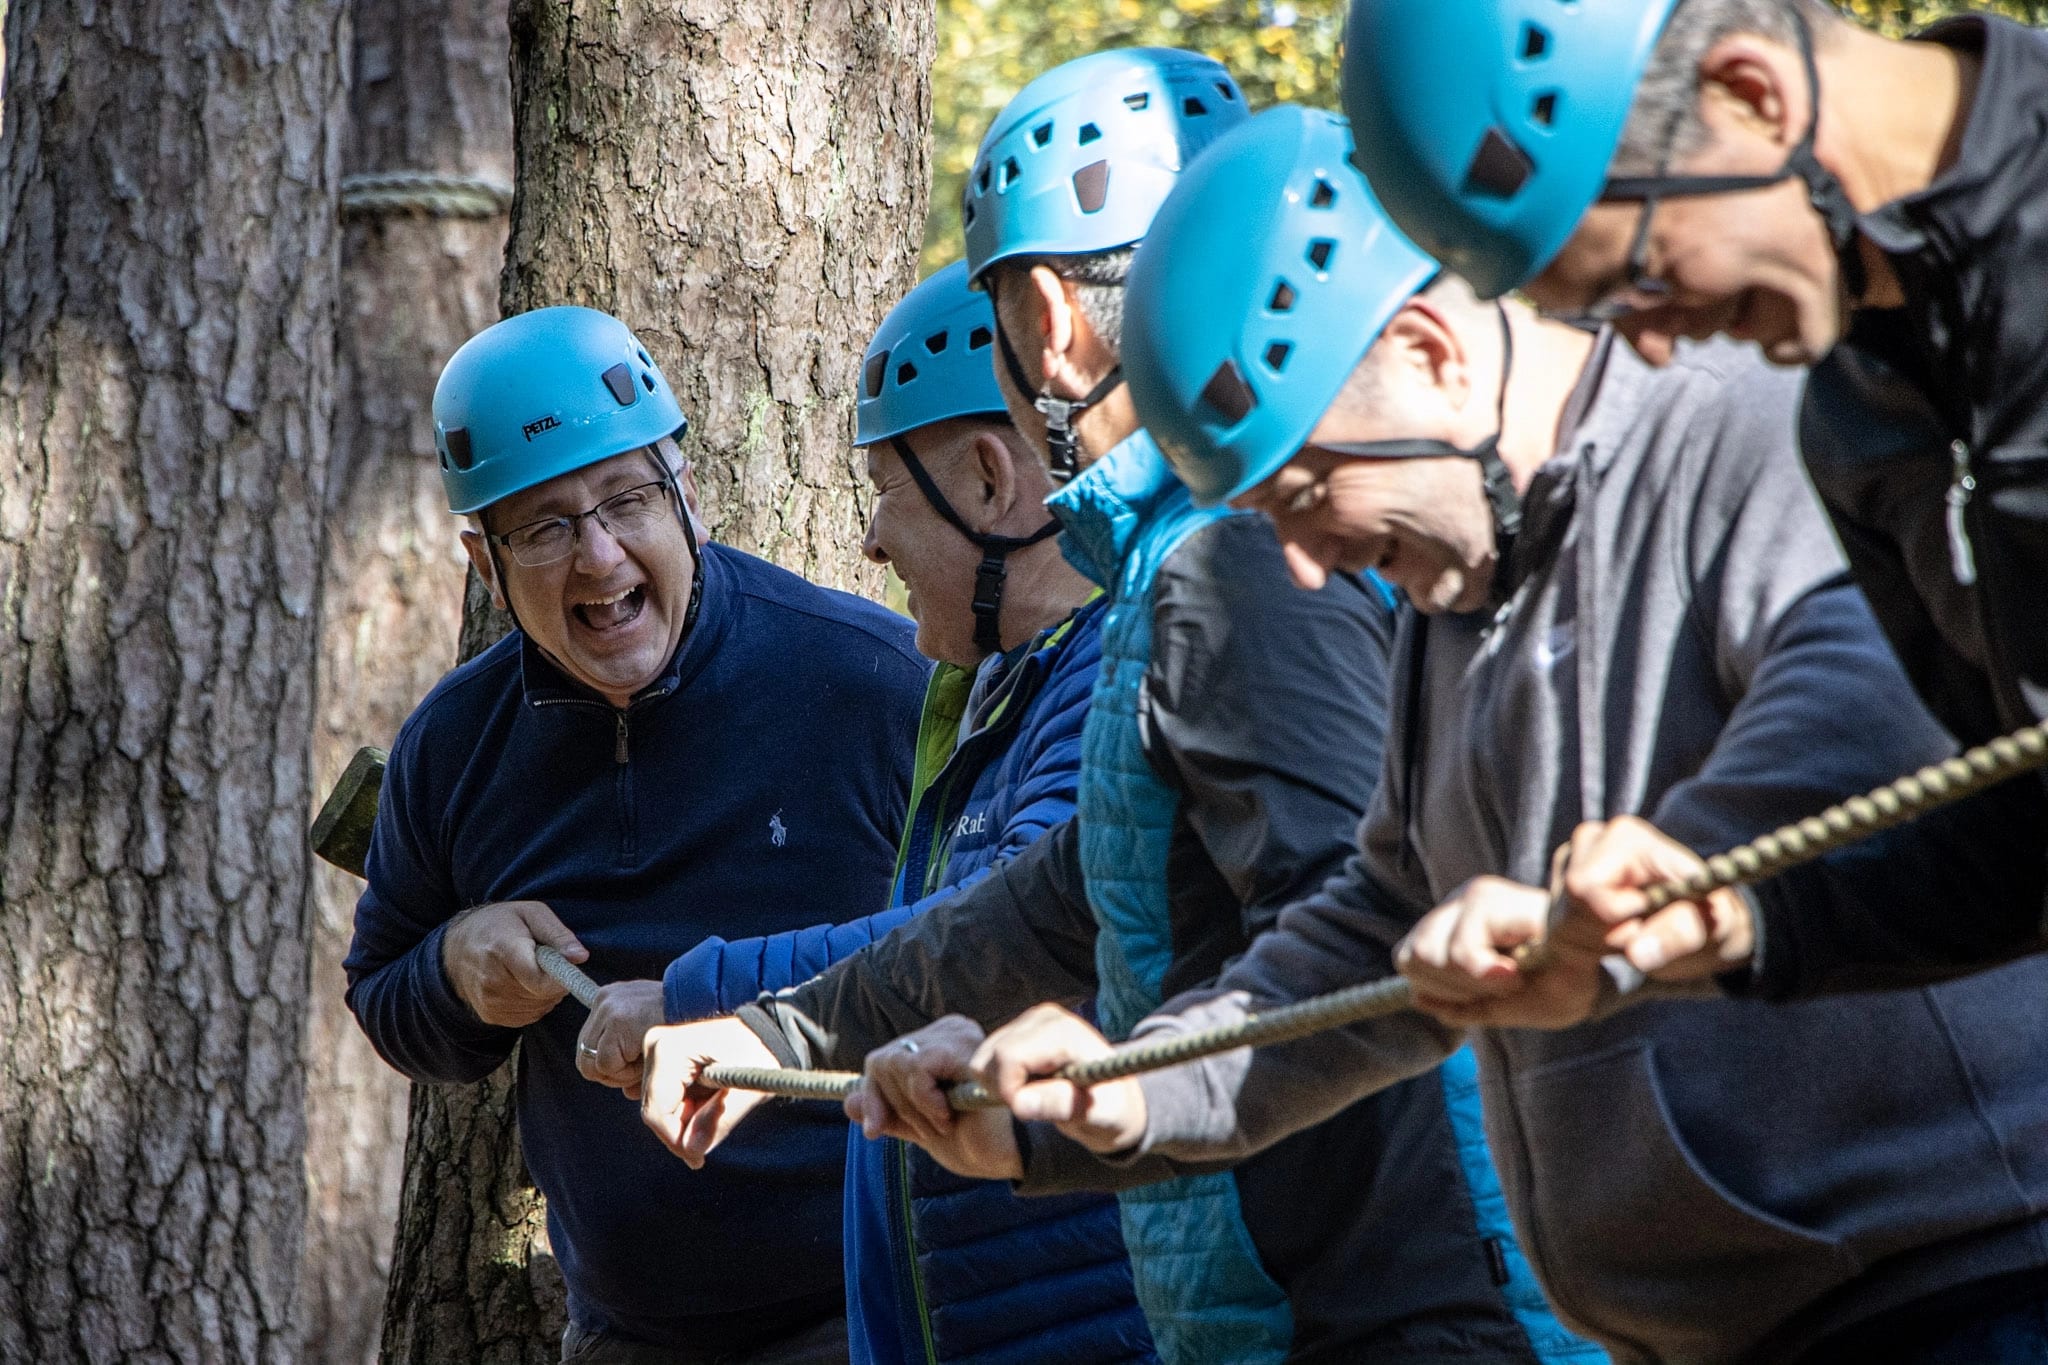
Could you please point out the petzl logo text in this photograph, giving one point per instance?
(540, 424)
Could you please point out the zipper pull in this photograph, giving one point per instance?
(619, 750)
(1961, 556)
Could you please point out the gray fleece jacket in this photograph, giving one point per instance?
(1697, 1181)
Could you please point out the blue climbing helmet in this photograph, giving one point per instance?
(1080, 159)
(543, 393)
(1486, 126)
(1268, 274)
(932, 359)
(930, 362)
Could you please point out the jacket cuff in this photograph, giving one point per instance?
(689, 988)
(1056, 1164)
(760, 1018)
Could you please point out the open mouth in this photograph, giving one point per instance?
(614, 612)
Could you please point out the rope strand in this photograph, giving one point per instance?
(1803, 841)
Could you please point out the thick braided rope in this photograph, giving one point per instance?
(1859, 817)
(442, 196)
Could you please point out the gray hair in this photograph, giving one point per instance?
(1665, 118)
(1098, 279)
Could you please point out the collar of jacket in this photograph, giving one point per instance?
(546, 684)
(1104, 508)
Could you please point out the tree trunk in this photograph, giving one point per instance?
(430, 93)
(168, 271)
(744, 183)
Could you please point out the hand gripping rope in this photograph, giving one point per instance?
(1857, 818)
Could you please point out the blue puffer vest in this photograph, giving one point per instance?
(941, 1269)
(1198, 1274)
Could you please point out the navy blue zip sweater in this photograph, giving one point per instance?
(759, 786)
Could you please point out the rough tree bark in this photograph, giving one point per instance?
(168, 269)
(744, 182)
(430, 93)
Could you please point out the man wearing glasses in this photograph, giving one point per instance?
(678, 740)
(1765, 170)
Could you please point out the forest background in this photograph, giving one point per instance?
(392, 572)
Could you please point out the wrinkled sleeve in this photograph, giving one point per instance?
(1021, 935)
(397, 988)
(1827, 711)
(1250, 679)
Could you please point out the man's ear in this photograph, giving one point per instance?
(997, 483)
(1753, 85)
(1048, 296)
(480, 559)
(1421, 347)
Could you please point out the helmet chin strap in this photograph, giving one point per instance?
(1501, 498)
(1063, 447)
(995, 551)
(1823, 189)
(675, 488)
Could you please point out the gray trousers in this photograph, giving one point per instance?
(824, 1344)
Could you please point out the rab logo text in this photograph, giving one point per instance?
(971, 824)
(540, 424)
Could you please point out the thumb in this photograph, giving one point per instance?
(545, 928)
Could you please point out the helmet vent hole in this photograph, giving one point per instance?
(1089, 133)
(1499, 168)
(1323, 195)
(1228, 394)
(1091, 186)
(647, 381)
(1041, 135)
(619, 380)
(1193, 107)
(936, 343)
(1320, 251)
(982, 179)
(967, 215)
(1543, 110)
(459, 452)
(1535, 42)
(905, 373)
(873, 372)
(1011, 170)
(1223, 89)
(643, 357)
(979, 338)
(1139, 102)
(1283, 298)
(1276, 355)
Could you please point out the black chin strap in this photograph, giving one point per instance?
(675, 487)
(1501, 497)
(995, 551)
(1823, 190)
(1063, 448)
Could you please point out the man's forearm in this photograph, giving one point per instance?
(1012, 940)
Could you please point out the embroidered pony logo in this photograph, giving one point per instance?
(778, 833)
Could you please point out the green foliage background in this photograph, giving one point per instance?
(988, 49)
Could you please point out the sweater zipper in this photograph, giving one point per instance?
(924, 1311)
(1962, 556)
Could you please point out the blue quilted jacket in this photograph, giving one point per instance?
(1207, 1292)
(940, 1268)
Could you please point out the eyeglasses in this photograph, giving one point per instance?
(623, 515)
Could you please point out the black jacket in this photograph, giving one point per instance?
(1926, 432)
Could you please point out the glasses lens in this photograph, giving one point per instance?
(544, 542)
(634, 508)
